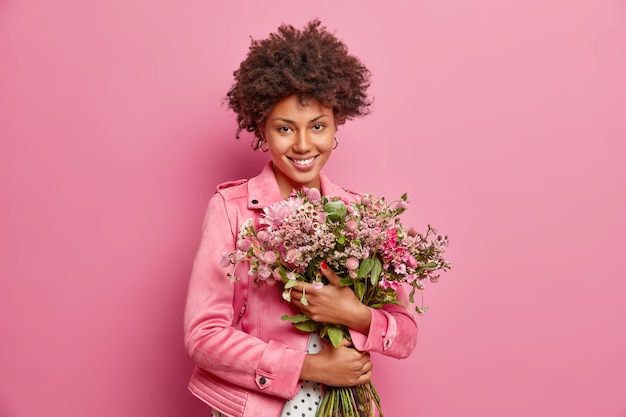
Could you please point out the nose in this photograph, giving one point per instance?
(303, 142)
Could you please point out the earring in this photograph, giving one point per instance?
(262, 145)
(336, 143)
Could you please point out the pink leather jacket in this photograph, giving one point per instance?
(248, 360)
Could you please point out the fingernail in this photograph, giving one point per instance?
(324, 266)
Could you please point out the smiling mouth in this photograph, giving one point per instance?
(303, 162)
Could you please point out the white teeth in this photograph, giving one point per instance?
(303, 162)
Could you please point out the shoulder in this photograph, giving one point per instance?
(233, 189)
(354, 194)
(333, 190)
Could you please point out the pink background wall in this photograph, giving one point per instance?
(504, 120)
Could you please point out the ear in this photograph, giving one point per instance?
(260, 129)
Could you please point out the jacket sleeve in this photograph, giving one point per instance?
(210, 338)
(392, 332)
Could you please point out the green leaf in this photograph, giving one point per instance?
(298, 318)
(303, 299)
(396, 302)
(359, 289)
(422, 310)
(365, 267)
(335, 210)
(428, 266)
(308, 326)
(283, 273)
(346, 282)
(290, 284)
(375, 272)
(335, 334)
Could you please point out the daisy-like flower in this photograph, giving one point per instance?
(273, 216)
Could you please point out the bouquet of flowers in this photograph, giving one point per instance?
(365, 243)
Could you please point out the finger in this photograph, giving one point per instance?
(345, 342)
(330, 274)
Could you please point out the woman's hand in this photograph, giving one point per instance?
(332, 303)
(342, 366)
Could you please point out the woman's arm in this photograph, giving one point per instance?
(391, 330)
(210, 338)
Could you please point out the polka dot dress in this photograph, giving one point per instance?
(308, 398)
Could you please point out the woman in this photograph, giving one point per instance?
(292, 91)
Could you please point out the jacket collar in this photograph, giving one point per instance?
(263, 190)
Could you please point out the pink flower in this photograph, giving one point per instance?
(400, 269)
(318, 285)
(263, 235)
(276, 274)
(277, 213)
(313, 194)
(264, 273)
(352, 263)
(352, 225)
(394, 285)
(224, 261)
(291, 256)
(401, 205)
(243, 245)
(269, 257)
(411, 261)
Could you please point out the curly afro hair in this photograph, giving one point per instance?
(311, 63)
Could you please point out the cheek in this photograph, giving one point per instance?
(327, 143)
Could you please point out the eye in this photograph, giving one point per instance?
(318, 127)
(284, 129)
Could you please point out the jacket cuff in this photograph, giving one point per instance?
(278, 372)
(382, 332)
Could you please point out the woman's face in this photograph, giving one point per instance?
(300, 138)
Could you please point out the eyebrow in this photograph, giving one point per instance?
(282, 119)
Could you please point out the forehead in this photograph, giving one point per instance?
(296, 109)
